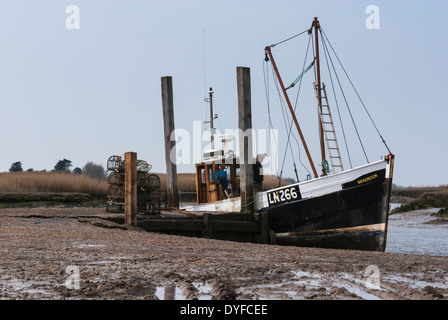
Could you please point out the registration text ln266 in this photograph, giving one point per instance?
(285, 194)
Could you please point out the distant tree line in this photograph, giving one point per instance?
(16, 167)
(91, 169)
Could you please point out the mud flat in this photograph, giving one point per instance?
(84, 257)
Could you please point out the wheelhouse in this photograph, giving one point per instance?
(217, 164)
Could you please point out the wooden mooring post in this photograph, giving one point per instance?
(130, 196)
(170, 145)
(245, 139)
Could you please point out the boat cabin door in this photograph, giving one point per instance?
(206, 188)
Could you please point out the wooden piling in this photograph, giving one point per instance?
(245, 139)
(130, 209)
(170, 146)
(263, 218)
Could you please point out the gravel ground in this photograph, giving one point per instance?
(81, 258)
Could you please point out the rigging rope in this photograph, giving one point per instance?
(291, 122)
(266, 88)
(348, 107)
(296, 102)
(301, 75)
(356, 91)
(286, 118)
(288, 144)
(273, 45)
(337, 104)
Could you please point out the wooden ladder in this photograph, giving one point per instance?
(328, 130)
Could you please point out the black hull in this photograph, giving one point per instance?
(353, 218)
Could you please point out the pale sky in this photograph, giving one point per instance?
(89, 93)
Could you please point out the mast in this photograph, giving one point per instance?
(212, 128)
(268, 50)
(316, 26)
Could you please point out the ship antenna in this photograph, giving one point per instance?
(204, 73)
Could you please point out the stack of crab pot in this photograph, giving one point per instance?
(149, 197)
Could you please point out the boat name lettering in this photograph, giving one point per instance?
(286, 194)
(368, 178)
(374, 176)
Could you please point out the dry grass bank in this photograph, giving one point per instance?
(186, 181)
(56, 182)
(59, 182)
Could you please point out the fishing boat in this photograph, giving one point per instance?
(338, 208)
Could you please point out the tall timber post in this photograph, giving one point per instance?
(170, 146)
(130, 196)
(245, 139)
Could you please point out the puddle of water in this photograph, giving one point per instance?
(19, 285)
(205, 291)
(352, 284)
(110, 260)
(303, 284)
(416, 283)
(393, 206)
(308, 279)
(173, 292)
(90, 245)
(169, 292)
(357, 288)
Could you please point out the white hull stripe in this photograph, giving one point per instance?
(367, 228)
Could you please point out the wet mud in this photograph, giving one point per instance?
(83, 258)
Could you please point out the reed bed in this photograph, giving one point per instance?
(59, 182)
(186, 181)
(51, 182)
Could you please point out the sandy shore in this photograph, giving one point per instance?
(78, 258)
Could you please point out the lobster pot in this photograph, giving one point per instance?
(115, 163)
(116, 178)
(115, 192)
(153, 181)
(143, 166)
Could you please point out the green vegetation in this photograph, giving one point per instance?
(442, 213)
(420, 198)
(94, 170)
(16, 167)
(63, 165)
